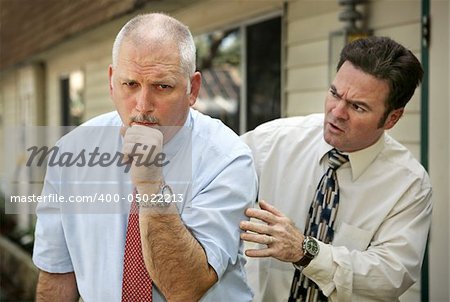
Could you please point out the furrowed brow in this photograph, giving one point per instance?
(334, 89)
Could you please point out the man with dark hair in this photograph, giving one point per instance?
(385, 59)
(360, 234)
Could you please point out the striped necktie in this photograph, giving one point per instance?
(320, 225)
(136, 282)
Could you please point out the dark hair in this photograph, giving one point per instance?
(385, 59)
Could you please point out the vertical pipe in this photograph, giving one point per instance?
(243, 91)
(424, 114)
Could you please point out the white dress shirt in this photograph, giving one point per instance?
(382, 222)
(209, 166)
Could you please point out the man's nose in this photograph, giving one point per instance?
(144, 100)
(341, 110)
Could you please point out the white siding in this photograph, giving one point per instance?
(22, 101)
(308, 28)
(306, 78)
(307, 54)
(7, 113)
(387, 13)
(92, 56)
(400, 20)
(440, 150)
(312, 28)
(97, 87)
(205, 16)
(303, 103)
(8, 97)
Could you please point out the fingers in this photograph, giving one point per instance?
(255, 227)
(262, 215)
(142, 149)
(126, 158)
(274, 230)
(268, 213)
(258, 253)
(261, 239)
(140, 139)
(270, 208)
(142, 134)
(123, 129)
(256, 238)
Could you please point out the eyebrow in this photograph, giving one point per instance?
(353, 102)
(127, 79)
(163, 79)
(332, 87)
(124, 77)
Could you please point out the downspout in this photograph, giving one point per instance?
(424, 125)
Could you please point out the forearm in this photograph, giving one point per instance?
(384, 270)
(344, 274)
(56, 287)
(175, 260)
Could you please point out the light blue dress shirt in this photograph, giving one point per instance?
(209, 167)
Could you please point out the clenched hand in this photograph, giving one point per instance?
(144, 146)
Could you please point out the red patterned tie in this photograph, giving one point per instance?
(136, 283)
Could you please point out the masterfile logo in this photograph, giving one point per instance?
(85, 158)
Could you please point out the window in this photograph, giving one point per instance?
(241, 69)
(219, 60)
(263, 72)
(72, 101)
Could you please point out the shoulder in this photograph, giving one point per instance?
(285, 126)
(307, 121)
(214, 136)
(398, 156)
(219, 153)
(107, 119)
(99, 128)
(284, 133)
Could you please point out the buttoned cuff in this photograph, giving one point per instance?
(321, 269)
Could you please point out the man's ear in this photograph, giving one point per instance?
(196, 83)
(393, 118)
(110, 75)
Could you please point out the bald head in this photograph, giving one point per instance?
(158, 29)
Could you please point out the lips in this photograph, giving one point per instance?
(147, 124)
(334, 128)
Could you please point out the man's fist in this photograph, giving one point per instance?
(143, 145)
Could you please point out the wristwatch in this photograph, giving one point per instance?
(310, 250)
(163, 198)
(166, 195)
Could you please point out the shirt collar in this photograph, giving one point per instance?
(359, 160)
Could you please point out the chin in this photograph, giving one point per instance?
(329, 138)
(333, 141)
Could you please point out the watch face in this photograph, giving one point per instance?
(166, 190)
(167, 195)
(312, 247)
